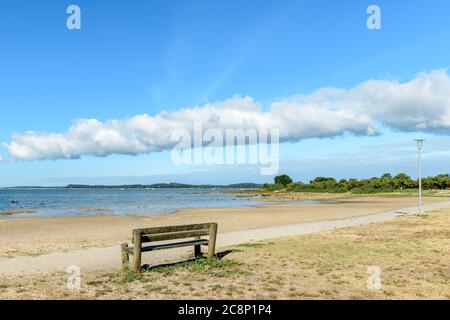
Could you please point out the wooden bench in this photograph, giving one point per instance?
(191, 234)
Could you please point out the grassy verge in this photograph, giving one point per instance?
(411, 252)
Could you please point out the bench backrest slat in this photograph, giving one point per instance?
(174, 235)
(175, 228)
(174, 232)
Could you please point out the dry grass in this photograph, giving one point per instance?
(412, 252)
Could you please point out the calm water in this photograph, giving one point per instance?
(72, 202)
(64, 202)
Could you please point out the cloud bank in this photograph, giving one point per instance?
(422, 104)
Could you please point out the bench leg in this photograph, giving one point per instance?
(212, 240)
(137, 252)
(125, 256)
(197, 249)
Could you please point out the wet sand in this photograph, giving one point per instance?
(33, 236)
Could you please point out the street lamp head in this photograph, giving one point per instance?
(419, 142)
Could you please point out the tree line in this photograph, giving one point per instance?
(385, 183)
(172, 185)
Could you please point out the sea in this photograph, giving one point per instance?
(52, 202)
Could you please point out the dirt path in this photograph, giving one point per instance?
(103, 258)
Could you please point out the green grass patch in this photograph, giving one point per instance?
(201, 266)
(128, 275)
(250, 245)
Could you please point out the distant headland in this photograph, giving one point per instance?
(171, 185)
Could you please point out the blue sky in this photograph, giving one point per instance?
(146, 57)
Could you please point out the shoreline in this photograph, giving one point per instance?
(253, 198)
(26, 214)
(268, 198)
(274, 200)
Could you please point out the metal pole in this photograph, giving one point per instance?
(419, 153)
(420, 180)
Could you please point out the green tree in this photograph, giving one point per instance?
(324, 179)
(402, 181)
(284, 179)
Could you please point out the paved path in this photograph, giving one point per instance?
(107, 258)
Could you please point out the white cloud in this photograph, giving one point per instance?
(420, 104)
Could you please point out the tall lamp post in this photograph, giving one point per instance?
(419, 142)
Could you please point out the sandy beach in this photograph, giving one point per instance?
(33, 236)
(331, 257)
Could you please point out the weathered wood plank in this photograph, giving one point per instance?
(212, 240)
(178, 228)
(201, 242)
(173, 235)
(174, 245)
(137, 251)
(125, 255)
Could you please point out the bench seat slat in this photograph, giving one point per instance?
(170, 245)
